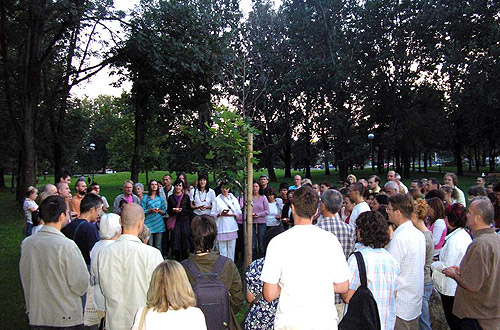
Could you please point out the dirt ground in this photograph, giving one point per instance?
(438, 320)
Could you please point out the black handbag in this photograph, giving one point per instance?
(362, 313)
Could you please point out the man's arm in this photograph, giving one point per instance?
(271, 291)
(341, 287)
(347, 296)
(454, 273)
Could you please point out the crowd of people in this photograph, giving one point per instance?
(139, 266)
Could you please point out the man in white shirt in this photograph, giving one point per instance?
(125, 269)
(53, 273)
(408, 248)
(305, 266)
(356, 192)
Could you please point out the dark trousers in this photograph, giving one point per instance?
(42, 327)
(453, 321)
(470, 324)
(165, 244)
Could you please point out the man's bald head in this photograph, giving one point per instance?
(50, 189)
(132, 214)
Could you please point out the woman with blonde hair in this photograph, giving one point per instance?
(170, 301)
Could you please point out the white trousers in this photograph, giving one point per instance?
(226, 248)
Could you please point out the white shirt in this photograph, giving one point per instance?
(305, 261)
(451, 254)
(27, 205)
(408, 248)
(202, 198)
(191, 318)
(358, 209)
(99, 302)
(460, 198)
(274, 210)
(124, 269)
(221, 203)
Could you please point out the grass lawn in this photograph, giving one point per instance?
(12, 301)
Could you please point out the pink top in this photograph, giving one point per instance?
(129, 199)
(260, 208)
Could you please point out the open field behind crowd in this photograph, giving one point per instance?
(11, 295)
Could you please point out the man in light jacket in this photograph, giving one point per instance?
(125, 268)
(53, 272)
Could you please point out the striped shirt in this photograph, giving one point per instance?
(346, 235)
(154, 221)
(382, 271)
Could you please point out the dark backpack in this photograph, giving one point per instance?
(212, 296)
(362, 313)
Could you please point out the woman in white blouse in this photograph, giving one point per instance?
(273, 219)
(202, 196)
(457, 242)
(170, 301)
(225, 210)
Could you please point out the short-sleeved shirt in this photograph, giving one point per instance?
(305, 261)
(358, 209)
(382, 271)
(85, 235)
(28, 203)
(261, 314)
(480, 271)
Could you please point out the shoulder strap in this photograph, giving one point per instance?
(219, 264)
(362, 268)
(77, 227)
(224, 200)
(192, 268)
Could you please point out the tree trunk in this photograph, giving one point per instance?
(327, 156)
(419, 161)
(141, 98)
(287, 154)
(380, 159)
(60, 126)
(2, 177)
(458, 154)
(413, 160)
(270, 166)
(29, 101)
(492, 160)
(477, 159)
(425, 161)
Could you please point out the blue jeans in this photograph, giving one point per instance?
(425, 318)
(28, 229)
(260, 230)
(155, 240)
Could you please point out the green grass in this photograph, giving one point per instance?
(11, 296)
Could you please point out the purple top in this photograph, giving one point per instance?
(261, 209)
(178, 198)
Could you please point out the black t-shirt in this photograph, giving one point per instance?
(85, 235)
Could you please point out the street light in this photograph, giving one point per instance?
(92, 148)
(371, 136)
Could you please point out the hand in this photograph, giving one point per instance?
(453, 272)
(284, 219)
(254, 214)
(278, 217)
